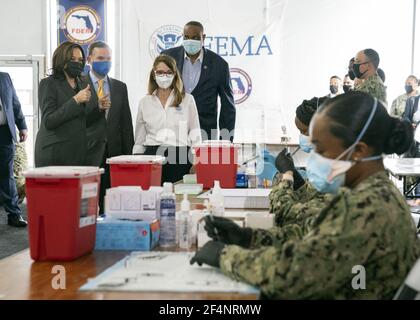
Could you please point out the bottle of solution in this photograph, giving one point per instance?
(241, 177)
(167, 208)
(217, 201)
(185, 225)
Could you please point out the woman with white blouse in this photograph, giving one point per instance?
(167, 120)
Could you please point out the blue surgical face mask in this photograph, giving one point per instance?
(192, 47)
(305, 143)
(101, 67)
(328, 175)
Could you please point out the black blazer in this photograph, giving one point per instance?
(11, 105)
(61, 139)
(111, 136)
(411, 107)
(214, 81)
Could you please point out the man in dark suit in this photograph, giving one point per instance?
(11, 116)
(206, 76)
(109, 125)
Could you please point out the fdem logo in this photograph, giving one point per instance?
(82, 24)
(165, 37)
(241, 83)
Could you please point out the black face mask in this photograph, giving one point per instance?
(408, 89)
(347, 88)
(351, 74)
(333, 89)
(74, 69)
(356, 70)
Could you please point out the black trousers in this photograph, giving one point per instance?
(178, 163)
(105, 183)
(8, 191)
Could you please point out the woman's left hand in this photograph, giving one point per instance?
(209, 254)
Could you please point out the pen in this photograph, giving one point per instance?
(251, 159)
(294, 152)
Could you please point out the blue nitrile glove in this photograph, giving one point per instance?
(266, 167)
(268, 157)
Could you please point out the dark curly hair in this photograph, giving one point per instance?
(306, 110)
(348, 114)
(62, 55)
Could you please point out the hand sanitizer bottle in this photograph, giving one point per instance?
(217, 201)
(167, 206)
(185, 224)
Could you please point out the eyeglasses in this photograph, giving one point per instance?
(164, 73)
(360, 63)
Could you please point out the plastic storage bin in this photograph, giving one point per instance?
(62, 211)
(216, 160)
(136, 170)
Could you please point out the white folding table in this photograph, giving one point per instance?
(401, 168)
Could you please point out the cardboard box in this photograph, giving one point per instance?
(113, 234)
(259, 220)
(133, 203)
(201, 233)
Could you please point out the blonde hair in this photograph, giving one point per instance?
(177, 84)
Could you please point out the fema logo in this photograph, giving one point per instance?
(163, 38)
(82, 24)
(241, 83)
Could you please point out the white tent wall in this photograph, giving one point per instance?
(416, 45)
(319, 38)
(251, 25)
(23, 27)
(312, 40)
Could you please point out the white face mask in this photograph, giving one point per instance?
(164, 81)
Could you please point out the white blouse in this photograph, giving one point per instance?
(416, 116)
(158, 125)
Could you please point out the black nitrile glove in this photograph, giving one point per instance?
(227, 231)
(284, 162)
(209, 254)
(298, 181)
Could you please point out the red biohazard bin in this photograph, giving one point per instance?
(136, 170)
(62, 211)
(216, 160)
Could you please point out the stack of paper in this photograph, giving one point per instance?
(244, 198)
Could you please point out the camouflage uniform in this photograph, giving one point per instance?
(374, 86)
(300, 207)
(398, 106)
(19, 165)
(370, 226)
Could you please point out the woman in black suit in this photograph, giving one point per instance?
(61, 138)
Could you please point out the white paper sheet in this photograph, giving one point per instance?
(243, 198)
(164, 272)
(239, 193)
